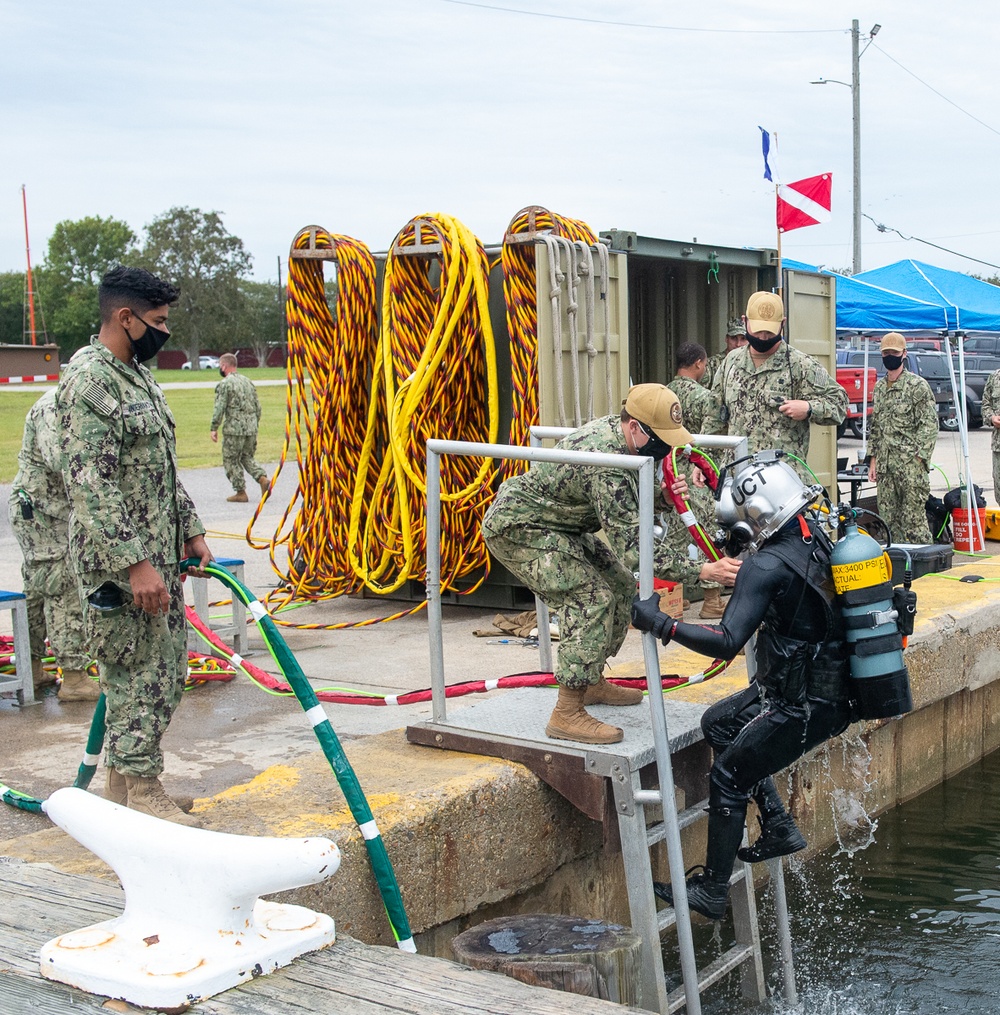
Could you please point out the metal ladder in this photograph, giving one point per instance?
(638, 838)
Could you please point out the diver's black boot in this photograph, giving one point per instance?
(708, 893)
(779, 835)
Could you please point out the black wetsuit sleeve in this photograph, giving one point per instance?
(757, 586)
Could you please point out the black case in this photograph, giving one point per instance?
(924, 559)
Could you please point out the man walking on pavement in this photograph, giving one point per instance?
(904, 431)
(696, 402)
(237, 410)
(542, 526)
(771, 393)
(39, 510)
(991, 416)
(132, 523)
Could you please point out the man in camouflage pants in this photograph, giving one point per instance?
(237, 409)
(736, 338)
(543, 525)
(39, 516)
(696, 402)
(132, 523)
(904, 429)
(769, 392)
(991, 417)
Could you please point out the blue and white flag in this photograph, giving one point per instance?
(765, 141)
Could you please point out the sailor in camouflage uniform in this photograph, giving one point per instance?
(991, 417)
(237, 410)
(696, 402)
(769, 392)
(904, 429)
(543, 525)
(132, 523)
(39, 515)
(736, 338)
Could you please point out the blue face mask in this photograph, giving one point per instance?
(149, 343)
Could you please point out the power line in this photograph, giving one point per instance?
(940, 95)
(640, 24)
(888, 229)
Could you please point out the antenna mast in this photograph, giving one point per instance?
(30, 280)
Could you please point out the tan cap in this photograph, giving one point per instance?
(893, 342)
(658, 407)
(765, 312)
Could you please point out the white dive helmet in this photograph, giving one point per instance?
(760, 497)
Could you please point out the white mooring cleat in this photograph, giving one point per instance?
(193, 923)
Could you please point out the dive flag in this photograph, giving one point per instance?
(804, 203)
(765, 143)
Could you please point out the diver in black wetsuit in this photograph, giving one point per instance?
(800, 695)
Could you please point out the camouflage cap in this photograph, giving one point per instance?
(765, 312)
(893, 342)
(735, 327)
(659, 408)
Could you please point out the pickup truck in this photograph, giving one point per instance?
(852, 380)
(932, 366)
(977, 372)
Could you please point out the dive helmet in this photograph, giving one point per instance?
(757, 500)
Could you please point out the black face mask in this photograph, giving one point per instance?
(654, 448)
(892, 362)
(149, 343)
(222, 373)
(763, 344)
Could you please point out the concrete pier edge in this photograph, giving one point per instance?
(472, 837)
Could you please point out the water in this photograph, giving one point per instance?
(907, 925)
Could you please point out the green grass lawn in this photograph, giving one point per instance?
(192, 409)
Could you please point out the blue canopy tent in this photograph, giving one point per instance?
(971, 304)
(866, 306)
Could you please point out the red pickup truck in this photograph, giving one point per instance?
(852, 380)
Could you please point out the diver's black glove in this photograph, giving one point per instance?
(647, 616)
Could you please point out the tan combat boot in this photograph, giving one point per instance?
(146, 795)
(40, 676)
(569, 721)
(713, 607)
(265, 485)
(605, 693)
(77, 685)
(115, 788)
(238, 498)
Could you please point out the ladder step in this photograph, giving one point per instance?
(713, 972)
(656, 832)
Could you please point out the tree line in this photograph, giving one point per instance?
(220, 307)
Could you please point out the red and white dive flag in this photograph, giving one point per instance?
(804, 203)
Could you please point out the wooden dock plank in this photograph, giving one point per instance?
(38, 902)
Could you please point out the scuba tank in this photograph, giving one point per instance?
(880, 684)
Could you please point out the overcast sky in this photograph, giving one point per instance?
(359, 114)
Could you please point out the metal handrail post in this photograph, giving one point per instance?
(438, 696)
(661, 743)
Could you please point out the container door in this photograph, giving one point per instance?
(811, 307)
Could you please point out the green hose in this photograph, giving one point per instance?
(381, 864)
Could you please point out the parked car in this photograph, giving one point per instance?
(932, 366)
(983, 345)
(977, 373)
(204, 363)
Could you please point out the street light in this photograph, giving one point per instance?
(855, 87)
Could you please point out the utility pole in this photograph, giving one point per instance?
(856, 99)
(855, 87)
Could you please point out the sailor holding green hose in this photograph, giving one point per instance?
(132, 523)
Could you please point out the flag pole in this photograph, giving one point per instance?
(778, 230)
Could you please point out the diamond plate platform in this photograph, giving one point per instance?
(516, 719)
